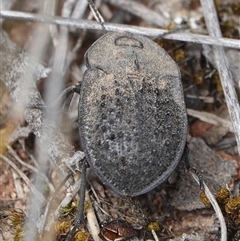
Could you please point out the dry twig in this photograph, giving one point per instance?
(210, 118)
(212, 23)
(92, 220)
(141, 11)
(24, 177)
(215, 206)
(30, 167)
(152, 32)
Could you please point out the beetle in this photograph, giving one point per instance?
(132, 117)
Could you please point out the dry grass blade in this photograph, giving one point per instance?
(30, 167)
(141, 11)
(216, 208)
(92, 219)
(93, 25)
(210, 118)
(24, 177)
(213, 27)
(154, 235)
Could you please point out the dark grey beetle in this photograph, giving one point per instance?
(132, 116)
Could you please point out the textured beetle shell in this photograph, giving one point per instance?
(132, 116)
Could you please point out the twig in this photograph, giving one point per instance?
(212, 23)
(79, 9)
(210, 118)
(67, 8)
(215, 207)
(71, 193)
(80, 213)
(72, 54)
(54, 84)
(154, 235)
(206, 99)
(92, 220)
(17, 184)
(152, 32)
(97, 15)
(30, 167)
(49, 9)
(42, 222)
(141, 11)
(25, 178)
